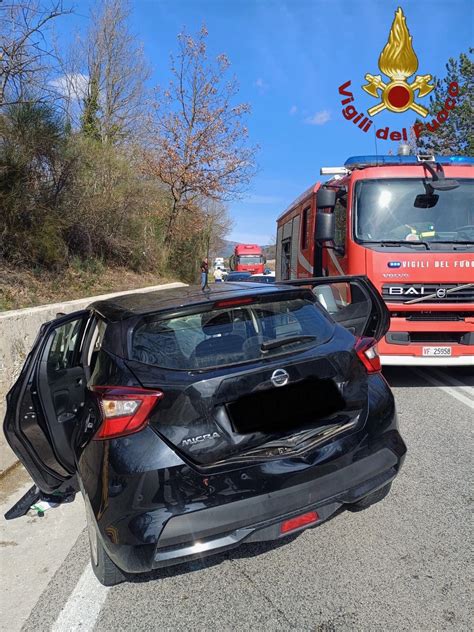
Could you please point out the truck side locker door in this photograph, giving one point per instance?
(45, 407)
(352, 301)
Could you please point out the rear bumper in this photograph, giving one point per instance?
(259, 518)
(140, 533)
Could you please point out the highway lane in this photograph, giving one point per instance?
(404, 564)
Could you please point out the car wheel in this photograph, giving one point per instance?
(108, 573)
(371, 499)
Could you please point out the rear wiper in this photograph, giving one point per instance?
(274, 344)
(399, 242)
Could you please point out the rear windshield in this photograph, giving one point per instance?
(230, 336)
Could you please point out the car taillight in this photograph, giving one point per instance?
(300, 521)
(366, 349)
(124, 409)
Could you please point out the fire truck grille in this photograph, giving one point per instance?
(429, 293)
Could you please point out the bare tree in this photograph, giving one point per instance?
(117, 74)
(199, 140)
(26, 56)
(216, 224)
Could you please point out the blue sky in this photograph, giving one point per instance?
(290, 57)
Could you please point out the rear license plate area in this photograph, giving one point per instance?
(284, 408)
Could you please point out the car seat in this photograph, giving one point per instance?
(221, 344)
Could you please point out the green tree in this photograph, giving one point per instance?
(35, 169)
(455, 135)
(90, 124)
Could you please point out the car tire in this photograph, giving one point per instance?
(106, 571)
(371, 499)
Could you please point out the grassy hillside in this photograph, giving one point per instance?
(26, 288)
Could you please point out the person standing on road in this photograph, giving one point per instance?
(204, 272)
(218, 274)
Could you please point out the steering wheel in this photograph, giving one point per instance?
(463, 231)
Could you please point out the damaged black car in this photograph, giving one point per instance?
(193, 421)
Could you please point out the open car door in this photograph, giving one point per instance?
(352, 301)
(45, 407)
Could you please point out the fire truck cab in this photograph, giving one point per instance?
(247, 258)
(407, 222)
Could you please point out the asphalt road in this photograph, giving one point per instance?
(404, 564)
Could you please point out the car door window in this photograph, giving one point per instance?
(93, 344)
(63, 353)
(352, 301)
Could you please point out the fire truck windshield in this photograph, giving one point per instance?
(408, 210)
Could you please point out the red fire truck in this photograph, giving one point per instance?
(248, 258)
(407, 222)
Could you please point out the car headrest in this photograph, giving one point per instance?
(218, 324)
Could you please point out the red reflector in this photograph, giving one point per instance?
(300, 521)
(231, 302)
(366, 349)
(124, 409)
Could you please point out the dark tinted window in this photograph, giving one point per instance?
(262, 278)
(230, 336)
(63, 353)
(238, 276)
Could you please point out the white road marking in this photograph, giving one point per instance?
(82, 609)
(467, 390)
(453, 391)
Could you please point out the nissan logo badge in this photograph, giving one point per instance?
(279, 377)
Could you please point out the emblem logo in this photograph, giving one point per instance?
(441, 292)
(200, 438)
(279, 377)
(398, 61)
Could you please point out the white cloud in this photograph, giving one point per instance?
(261, 85)
(293, 110)
(72, 86)
(318, 118)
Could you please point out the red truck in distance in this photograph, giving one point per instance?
(248, 258)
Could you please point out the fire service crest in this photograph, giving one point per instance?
(398, 61)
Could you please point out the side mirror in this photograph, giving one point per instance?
(325, 229)
(326, 198)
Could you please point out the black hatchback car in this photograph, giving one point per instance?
(193, 421)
